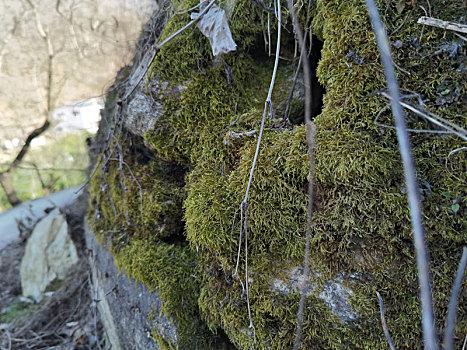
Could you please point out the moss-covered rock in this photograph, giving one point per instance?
(179, 235)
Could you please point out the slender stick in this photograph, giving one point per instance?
(435, 119)
(244, 204)
(428, 321)
(310, 130)
(268, 103)
(435, 22)
(451, 318)
(188, 25)
(292, 89)
(383, 323)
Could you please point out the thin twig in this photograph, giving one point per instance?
(181, 12)
(434, 118)
(137, 184)
(267, 105)
(292, 88)
(269, 34)
(383, 323)
(239, 250)
(428, 321)
(461, 36)
(456, 288)
(447, 158)
(264, 34)
(310, 130)
(402, 24)
(188, 25)
(244, 204)
(237, 135)
(231, 235)
(434, 22)
(409, 130)
(160, 45)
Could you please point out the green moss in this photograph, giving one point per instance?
(361, 223)
(170, 270)
(136, 200)
(17, 310)
(190, 50)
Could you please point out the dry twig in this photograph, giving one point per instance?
(434, 22)
(413, 193)
(450, 127)
(451, 317)
(447, 159)
(383, 323)
(310, 129)
(244, 204)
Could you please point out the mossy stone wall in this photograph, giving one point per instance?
(174, 220)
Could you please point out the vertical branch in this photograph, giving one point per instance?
(428, 320)
(310, 132)
(383, 323)
(244, 203)
(451, 317)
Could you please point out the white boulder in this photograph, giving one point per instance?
(49, 254)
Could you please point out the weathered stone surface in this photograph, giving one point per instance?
(125, 305)
(141, 114)
(48, 256)
(334, 293)
(143, 111)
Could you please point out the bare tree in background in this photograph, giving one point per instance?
(52, 53)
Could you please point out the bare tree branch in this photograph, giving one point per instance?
(310, 133)
(452, 310)
(6, 177)
(383, 323)
(430, 21)
(428, 321)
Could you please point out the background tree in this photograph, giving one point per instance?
(53, 53)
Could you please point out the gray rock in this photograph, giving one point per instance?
(334, 294)
(48, 256)
(143, 111)
(125, 305)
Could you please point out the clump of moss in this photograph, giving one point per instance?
(135, 200)
(190, 50)
(361, 226)
(137, 207)
(170, 270)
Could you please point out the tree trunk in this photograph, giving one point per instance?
(6, 181)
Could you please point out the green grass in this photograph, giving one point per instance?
(16, 310)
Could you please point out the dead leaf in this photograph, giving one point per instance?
(400, 6)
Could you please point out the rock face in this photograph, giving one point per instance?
(125, 306)
(48, 256)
